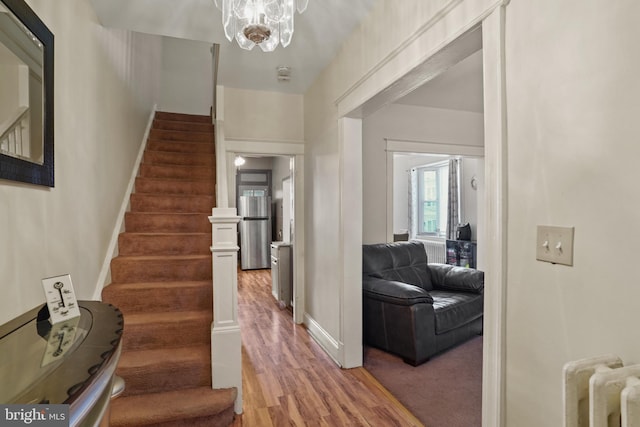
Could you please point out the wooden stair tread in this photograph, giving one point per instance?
(195, 180)
(176, 142)
(175, 355)
(169, 166)
(171, 196)
(183, 121)
(155, 370)
(176, 405)
(129, 235)
(161, 285)
(153, 297)
(162, 317)
(160, 257)
(164, 234)
(169, 115)
(167, 221)
(167, 214)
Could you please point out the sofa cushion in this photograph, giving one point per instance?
(394, 292)
(451, 278)
(403, 262)
(454, 309)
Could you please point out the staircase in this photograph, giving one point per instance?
(162, 282)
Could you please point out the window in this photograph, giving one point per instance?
(433, 195)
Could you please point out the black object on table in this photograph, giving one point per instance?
(462, 253)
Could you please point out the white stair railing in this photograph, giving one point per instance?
(14, 134)
(226, 343)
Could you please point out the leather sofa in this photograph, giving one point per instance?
(415, 309)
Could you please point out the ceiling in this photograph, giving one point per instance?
(458, 88)
(319, 33)
(7, 57)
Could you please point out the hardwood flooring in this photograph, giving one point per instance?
(288, 380)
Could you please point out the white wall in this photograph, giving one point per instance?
(572, 99)
(187, 76)
(257, 163)
(9, 88)
(106, 82)
(264, 116)
(322, 251)
(469, 199)
(410, 123)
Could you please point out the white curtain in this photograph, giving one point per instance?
(413, 203)
(453, 213)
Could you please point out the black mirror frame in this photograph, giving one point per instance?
(17, 169)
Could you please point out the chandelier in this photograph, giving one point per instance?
(260, 22)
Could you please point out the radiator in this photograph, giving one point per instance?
(601, 392)
(436, 251)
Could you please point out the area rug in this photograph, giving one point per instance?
(445, 391)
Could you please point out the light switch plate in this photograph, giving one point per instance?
(555, 244)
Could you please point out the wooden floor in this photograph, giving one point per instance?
(288, 380)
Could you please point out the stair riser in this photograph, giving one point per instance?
(181, 244)
(177, 172)
(221, 419)
(159, 299)
(182, 126)
(173, 158)
(162, 115)
(166, 335)
(176, 409)
(165, 379)
(126, 270)
(168, 376)
(163, 186)
(181, 147)
(150, 203)
(175, 135)
(140, 222)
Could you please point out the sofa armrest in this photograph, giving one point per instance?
(397, 293)
(452, 278)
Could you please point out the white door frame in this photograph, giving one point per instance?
(287, 209)
(366, 97)
(231, 149)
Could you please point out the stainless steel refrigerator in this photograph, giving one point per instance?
(255, 231)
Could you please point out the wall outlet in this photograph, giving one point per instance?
(555, 244)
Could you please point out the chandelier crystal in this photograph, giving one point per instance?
(266, 23)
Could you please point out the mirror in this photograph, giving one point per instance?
(26, 96)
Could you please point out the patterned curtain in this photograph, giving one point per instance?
(453, 213)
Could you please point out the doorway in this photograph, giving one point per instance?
(351, 110)
(281, 189)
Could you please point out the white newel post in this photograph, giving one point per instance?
(226, 343)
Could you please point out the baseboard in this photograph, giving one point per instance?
(323, 338)
(104, 278)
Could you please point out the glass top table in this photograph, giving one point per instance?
(71, 362)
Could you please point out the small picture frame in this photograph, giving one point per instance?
(61, 298)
